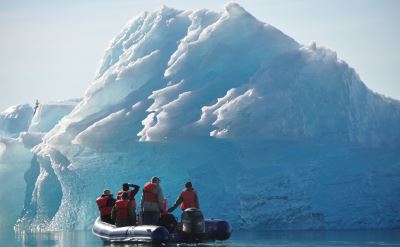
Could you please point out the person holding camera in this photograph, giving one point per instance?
(131, 193)
(123, 214)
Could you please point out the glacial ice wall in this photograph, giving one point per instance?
(273, 134)
(20, 131)
(50, 113)
(252, 184)
(15, 119)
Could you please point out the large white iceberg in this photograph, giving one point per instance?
(273, 134)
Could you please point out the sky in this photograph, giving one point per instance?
(50, 49)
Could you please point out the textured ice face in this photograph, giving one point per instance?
(270, 131)
(20, 131)
(49, 114)
(174, 74)
(15, 119)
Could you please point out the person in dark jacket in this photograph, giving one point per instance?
(105, 203)
(125, 188)
(187, 199)
(123, 213)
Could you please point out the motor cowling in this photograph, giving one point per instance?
(193, 224)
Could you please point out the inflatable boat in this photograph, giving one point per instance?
(192, 229)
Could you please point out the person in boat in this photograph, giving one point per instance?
(152, 202)
(131, 193)
(125, 188)
(105, 203)
(123, 213)
(187, 199)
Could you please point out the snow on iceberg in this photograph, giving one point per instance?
(273, 134)
(49, 114)
(20, 128)
(15, 119)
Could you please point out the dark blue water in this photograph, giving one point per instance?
(238, 239)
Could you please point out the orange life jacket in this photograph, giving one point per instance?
(189, 199)
(148, 194)
(102, 202)
(132, 199)
(122, 209)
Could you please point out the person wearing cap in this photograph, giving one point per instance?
(123, 213)
(152, 202)
(105, 203)
(187, 199)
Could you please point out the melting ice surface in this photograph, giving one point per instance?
(273, 134)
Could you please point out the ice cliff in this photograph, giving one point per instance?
(15, 119)
(273, 134)
(21, 130)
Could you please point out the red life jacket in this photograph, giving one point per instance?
(122, 209)
(132, 199)
(148, 194)
(189, 199)
(102, 204)
(119, 195)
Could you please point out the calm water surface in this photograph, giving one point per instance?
(238, 239)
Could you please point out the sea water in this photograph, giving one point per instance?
(238, 239)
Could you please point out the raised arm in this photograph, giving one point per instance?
(135, 189)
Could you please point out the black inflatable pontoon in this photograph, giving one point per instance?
(193, 229)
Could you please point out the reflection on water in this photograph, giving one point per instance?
(238, 239)
(317, 238)
(64, 238)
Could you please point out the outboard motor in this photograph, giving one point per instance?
(193, 225)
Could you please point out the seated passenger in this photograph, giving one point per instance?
(123, 213)
(105, 203)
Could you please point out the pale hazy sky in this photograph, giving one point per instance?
(50, 49)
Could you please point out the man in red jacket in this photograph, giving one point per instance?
(105, 203)
(187, 199)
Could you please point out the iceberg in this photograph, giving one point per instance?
(21, 130)
(273, 134)
(49, 114)
(15, 119)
